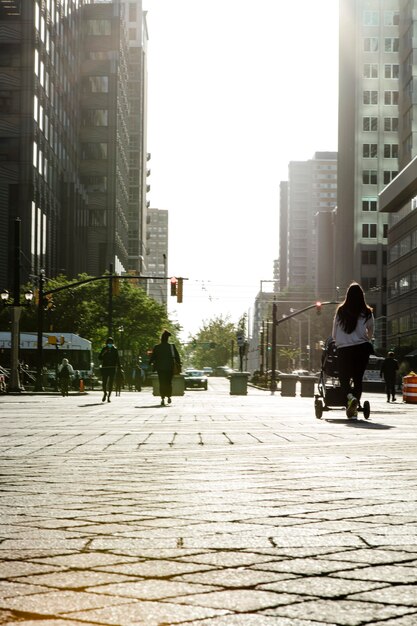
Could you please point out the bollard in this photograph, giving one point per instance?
(410, 388)
(307, 386)
(81, 385)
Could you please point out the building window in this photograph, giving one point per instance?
(369, 204)
(369, 257)
(391, 18)
(371, 18)
(369, 150)
(94, 150)
(132, 34)
(370, 70)
(94, 184)
(391, 124)
(389, 176)
(370, 123)
(132, 12)
(95, 117)
(370, 97)
(369, 231)
(390, 151)
(385, 231)
(98, 27)
(370, 177)
(392, 70)
(98, 84)
(391, 44)
(370, 44)
(391, 97)
(368, 282)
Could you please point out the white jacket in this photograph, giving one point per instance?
(363, 332)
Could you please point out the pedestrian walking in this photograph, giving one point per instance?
(109, 357)
(65, 372)
(353, 328)
(120, 380)
(166, 362)
(389, 368)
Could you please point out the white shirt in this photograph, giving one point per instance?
(363, 332)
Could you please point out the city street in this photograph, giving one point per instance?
(218, 510)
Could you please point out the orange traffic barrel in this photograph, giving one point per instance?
(82, 385)
(410, 388)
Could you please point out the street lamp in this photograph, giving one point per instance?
(16, 307)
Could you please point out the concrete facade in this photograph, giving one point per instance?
(156, 260)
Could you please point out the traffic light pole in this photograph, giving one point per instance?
(276, 322)
(39, 357)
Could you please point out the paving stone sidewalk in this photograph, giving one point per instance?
(218, 510)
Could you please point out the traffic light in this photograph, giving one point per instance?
(173, 286)
(179, 290)
(318, 307)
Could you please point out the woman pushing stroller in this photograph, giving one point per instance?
(353, 328)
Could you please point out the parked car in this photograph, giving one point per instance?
(208, 371)
(223, 370)
(301, 373)
(195, 379)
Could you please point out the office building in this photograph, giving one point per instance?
(368, 148)
(156, 260)
(312, 188)
(73, 157)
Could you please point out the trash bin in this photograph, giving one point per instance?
(307, 386)
(178, 385)
(239, 383)
(288, 382)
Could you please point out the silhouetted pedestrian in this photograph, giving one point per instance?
(65, 372)
(109, 357)
(389, 368)
(166, 360)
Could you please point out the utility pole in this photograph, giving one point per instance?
(110, 313)
(39, 348)
(274, 348)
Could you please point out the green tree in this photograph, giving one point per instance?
(211, 345)
(84, 310)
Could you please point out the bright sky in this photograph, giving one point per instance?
(237, 89)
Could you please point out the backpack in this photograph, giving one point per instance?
(64, 373)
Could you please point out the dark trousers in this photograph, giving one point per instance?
(165, 383)
(390, 387)
(352, 362)
(107, 376)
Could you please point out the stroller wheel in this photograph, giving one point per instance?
(366, 409)
(318, 408)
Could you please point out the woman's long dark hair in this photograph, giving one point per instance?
(352, 308)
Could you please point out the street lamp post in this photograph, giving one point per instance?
(16, 306)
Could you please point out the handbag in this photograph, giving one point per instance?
(177, 366)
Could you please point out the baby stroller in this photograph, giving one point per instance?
(329, 390)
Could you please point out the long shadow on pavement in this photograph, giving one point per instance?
(359, 424)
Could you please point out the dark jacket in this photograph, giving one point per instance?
(109, 357)
(389, 368)
(163, 358)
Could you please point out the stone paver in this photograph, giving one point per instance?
(218, 511)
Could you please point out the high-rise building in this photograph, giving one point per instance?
(156, 260)
(368, 148)
(73, 157)
(312, 188)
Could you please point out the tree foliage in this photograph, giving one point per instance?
(84, 310)
(212, 344)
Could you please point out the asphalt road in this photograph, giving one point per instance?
(218, 510)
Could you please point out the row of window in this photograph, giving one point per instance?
(371, 124)
(404, 246)
(371, 44)
(371, 18)
(370, 231)
(370, 150)
(403, 285)
(372, 97)
(402, 324)
(371, 70)
(370, 177)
